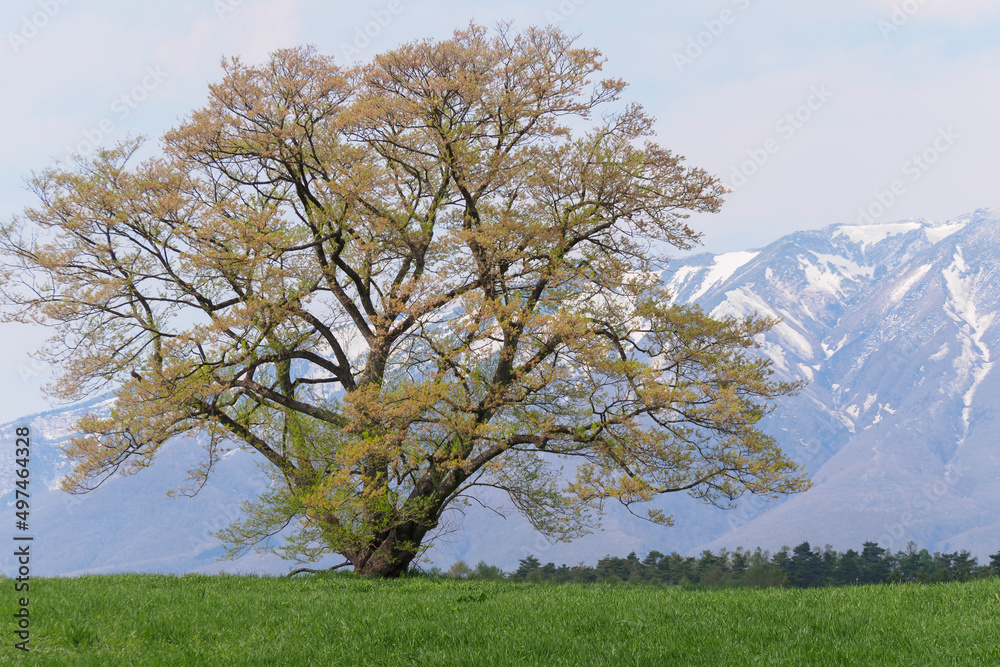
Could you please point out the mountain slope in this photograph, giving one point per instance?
(896, 327)
(128, 523)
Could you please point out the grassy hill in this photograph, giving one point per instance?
(341, 620)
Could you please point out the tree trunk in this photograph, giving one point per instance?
(377, 565)
(389, 555)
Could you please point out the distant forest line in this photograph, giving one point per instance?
(803, 567)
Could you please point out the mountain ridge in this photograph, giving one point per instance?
(906, 364)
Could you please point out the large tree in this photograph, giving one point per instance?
(398, 282)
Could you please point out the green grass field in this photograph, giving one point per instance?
(338, 620)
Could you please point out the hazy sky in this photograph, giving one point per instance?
(812, 112)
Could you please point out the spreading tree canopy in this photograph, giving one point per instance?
(397, 282)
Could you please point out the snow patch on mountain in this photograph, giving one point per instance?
(696, 276)
(829, 273)
(830, 351)
(941, 353)
(681, 276)
(849, 268)
(907, 283)
(866, 235)
(941, 232)
(744, 302)
(974, 363)
(977, 379)
(722, 269)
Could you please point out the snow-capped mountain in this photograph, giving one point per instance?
(894, 325)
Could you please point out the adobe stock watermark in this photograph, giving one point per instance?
(902, 12)
(804, 452)
(913, 170)
(748, 509)
(222, 517)
(565, 10)
(541, 545)
(223, 7)
(787, 126)
(33, 372)
(121, 108)
(919, 507)
(714, 28)
(34, 23)
(364, 34)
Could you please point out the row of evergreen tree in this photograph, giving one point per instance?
(804, 566)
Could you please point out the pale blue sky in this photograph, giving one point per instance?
(833, 99)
